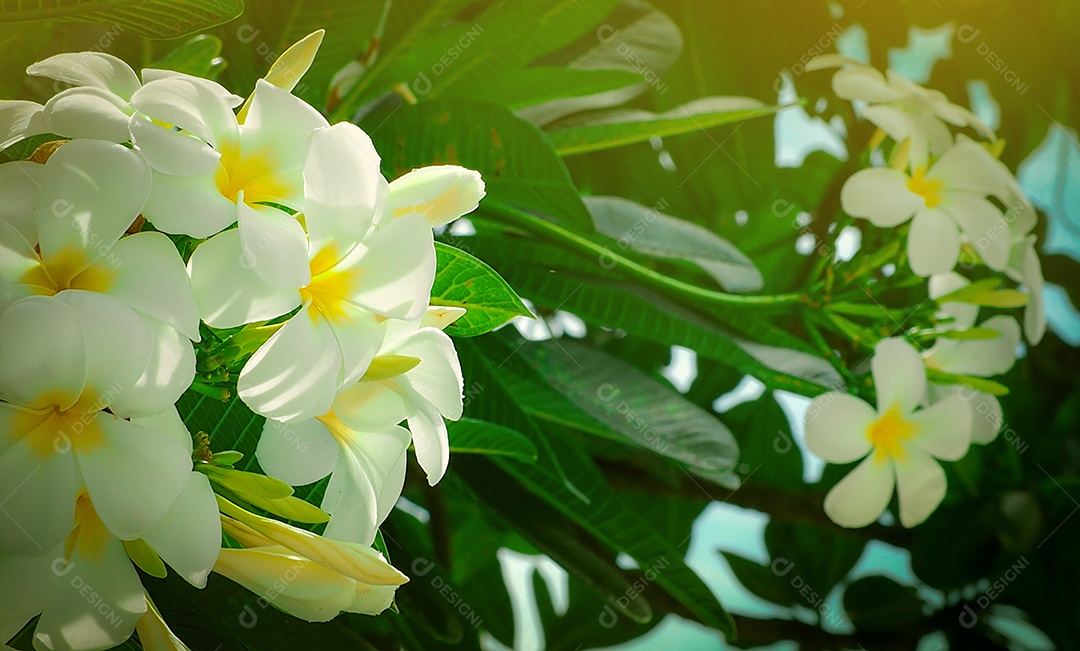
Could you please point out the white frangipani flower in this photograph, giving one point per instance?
(898, 442)
(71, 364)
(901, 108)
(441, 193)
(944, 202)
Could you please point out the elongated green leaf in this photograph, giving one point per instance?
(518, 164)
(655, 234)
(616, 128)
(200, 56)
(472, 436)
(822, 558)
(565, 477)
(879, 603)
(538, 84)
(247, 485)
(652, 415)
(149, 18)
(465, 281)
(761, 580)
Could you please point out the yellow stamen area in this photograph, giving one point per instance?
(437, 207)
(931, 190)
(253, 173)
(889, 433)
(341, 432)
(70, 268)
(89, 536)
(52, 430)
(329, 286)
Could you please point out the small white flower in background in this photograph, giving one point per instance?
(53, 582)
(976, 357)
(1025, 267)
(327, 577)
(902, 109)
(943, 202)
(898, 442)
(416, 377)
(441, 193)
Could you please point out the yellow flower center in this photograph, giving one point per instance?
(51, 430)
(253, 173)
(89, 536)
(70, 268)
(889, 434)
(329, 286)
(931, 190)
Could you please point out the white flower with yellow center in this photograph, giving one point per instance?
(902, 109)
(943, 202)
(91, 556)
(898, 442)
(416, 377)
(69, 382)
(327, 577)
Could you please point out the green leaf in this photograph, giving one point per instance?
(984, 293)
(246, 485)
(979, 384)
(878, 603)
(616, 128)
(566, 478)
(159, 19)
(652, 415)
(199, 56)
(651, 232)
(761, 580)
(472, 436)
(820, 557)
(970, 334)
(517, 162)
(465, 281)
(538, 84)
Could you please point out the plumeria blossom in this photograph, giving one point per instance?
(898, 442)
(441, 193)
(943, 203)
(53, 584)
(416, 377)
(71, 364)
(901, 108)
(66, 231)
(976, 357)
(327, 577)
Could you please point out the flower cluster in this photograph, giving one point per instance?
(961, 209)
(172, 235)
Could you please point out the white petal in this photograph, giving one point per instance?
(964, 315)
(359, 337)
(169, 424)
(981, 357)
(933, 243)
(920, 485)
(91, 192)
(231, 100)
(944, 428)
(986, 414)
(440, 316)
(899, 376)
(398, 269)
(862, 496)
(119, 345)
(188, 205)
(342, 186)
(366, 484)
(372, 599)
(879, 195)
(17, 120)
(195, 105)
(370, 406)
(147, 458)
(17, 259)
(864, 83)
(297, 453)
(87, 113)
(968, 166)
(172, 152)
(41, 343)
(315, 593)
(95, 69)
(74, 622)
(1035, 312)
(188, 537)
(983, 225)
(153, 280)
(36, 580)
(438, 375)
(430, 440)
(295, 374)
(37, 492)
(836, 425)
(280, 124)
(441, 193)
(928, 134)
(167, 375)
(20, 182)
(228, 291)
(275, 244)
